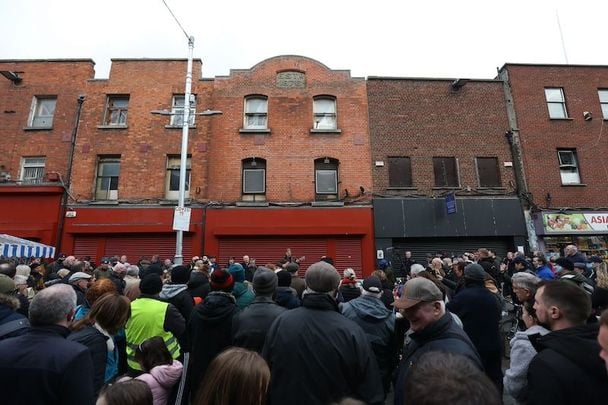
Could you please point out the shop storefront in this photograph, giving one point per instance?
(425, 226)
(588, 230)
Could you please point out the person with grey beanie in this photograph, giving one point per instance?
(250, 326)
(316, 346)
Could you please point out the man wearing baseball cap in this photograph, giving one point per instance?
(432, 328)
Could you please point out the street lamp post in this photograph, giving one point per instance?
(179, 239)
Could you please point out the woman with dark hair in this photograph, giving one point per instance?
(235, 376)
(515, 380)
(132, 392)
(96, 330)
(161, 372)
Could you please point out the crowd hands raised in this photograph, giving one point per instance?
(241, 333)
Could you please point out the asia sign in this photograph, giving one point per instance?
(584, 222)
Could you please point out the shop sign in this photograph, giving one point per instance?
(584, 222)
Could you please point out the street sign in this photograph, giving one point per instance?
(450, 203)
(181, 219)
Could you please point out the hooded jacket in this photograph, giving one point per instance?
(198, 286)
(515, 381)
(161, 380)
(378, 323)
(179, 296)
(287, 297)
(243, 295)
(318, 356)
(210, 331)
(568, 369)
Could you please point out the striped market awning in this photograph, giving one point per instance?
(11, 246)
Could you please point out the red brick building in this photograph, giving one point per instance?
(39, 103)
(558, 113)
(434, 139)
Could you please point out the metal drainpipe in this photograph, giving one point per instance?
(68, 178)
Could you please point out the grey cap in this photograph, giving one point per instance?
(474, 271)
(292, 267)
(322, 277)
(79, 276)
(264, 281)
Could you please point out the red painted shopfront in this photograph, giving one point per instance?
(343, 233)
(135, 232)
(31, 212)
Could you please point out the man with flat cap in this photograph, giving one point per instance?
(432, 328)
(315, 354)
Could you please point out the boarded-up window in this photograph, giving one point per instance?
(399, 172)
(446, 172)
(488, 172)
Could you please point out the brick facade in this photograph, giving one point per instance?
(541, 136)
(426, 118)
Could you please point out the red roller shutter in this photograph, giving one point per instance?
(271, 250)
(348, 254)
(86, 246)
(136, 246)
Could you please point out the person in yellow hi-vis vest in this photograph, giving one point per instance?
(152, 317)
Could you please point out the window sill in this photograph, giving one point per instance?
(561, 119)
(575, 185)
(254, 131)
(327, 204)
(179, 126)
(402, 188)
(491, 188)
(38, 128)
(252, 204)
(325, 131)
(112, 127)
(104, 202)
(174, 202)
(447, 188)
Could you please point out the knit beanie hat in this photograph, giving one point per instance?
(221, 280)
(284, 278)
(180, 274)
(264, 281)
(7, 285)
(238, 272)
(151, 284)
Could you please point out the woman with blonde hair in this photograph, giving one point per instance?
(235, 376)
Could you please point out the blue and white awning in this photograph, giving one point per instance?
(11, 246)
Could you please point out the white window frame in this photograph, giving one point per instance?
(173, 164)
(568, 167)
(32, 169)
(110, 193)
(603, 96)
(324, 119)
(556, 103)
(255, 114)
(41, 116)
(177, 110)
(122, 111)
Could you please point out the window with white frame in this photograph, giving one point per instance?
(568, 166)
(556, 102)
(32, 169)
(172, 177)
(108, 171)
(42, 112)
(117, 108)
(256, 112)
(254, 179)
(324, 109)
(603, 95)
(326, 178)
(177, 110)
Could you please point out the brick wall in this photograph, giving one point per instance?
(64, 79)
(425, 118)
(542, 136)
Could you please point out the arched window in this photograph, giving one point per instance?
(254, 179)
(256, 112)
(326, 178)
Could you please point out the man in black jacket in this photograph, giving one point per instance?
(432, 329)
(250, 326)
(315, 354)
(41, 366)
(567, 368)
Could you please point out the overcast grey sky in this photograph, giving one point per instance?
(432, 38)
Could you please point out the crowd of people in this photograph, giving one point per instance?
(242, 333)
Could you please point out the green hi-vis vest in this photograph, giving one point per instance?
(147, 320)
